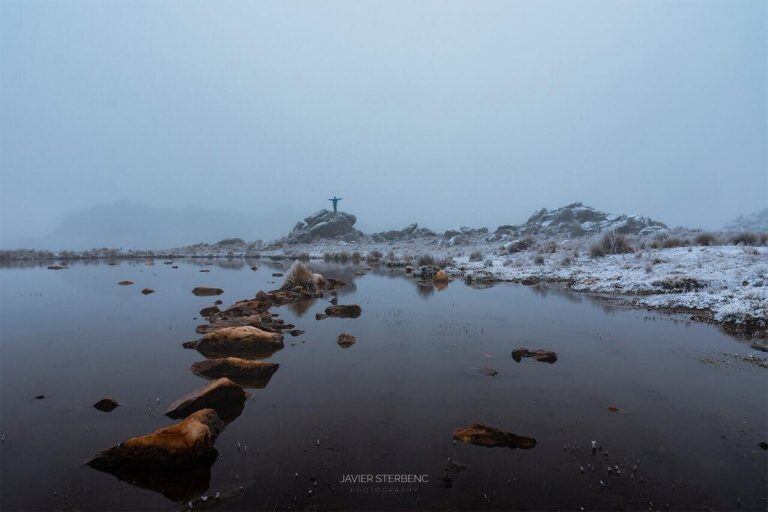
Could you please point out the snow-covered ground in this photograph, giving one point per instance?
(729, 283)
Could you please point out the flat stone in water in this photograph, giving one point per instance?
(106, 405)
(490, 437)
(204, 291)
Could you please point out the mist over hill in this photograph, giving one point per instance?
(130, 225)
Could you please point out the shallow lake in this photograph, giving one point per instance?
(686, 434)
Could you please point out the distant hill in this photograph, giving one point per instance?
(757, 221)
(133, 226)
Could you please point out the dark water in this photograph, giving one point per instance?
(685, 437)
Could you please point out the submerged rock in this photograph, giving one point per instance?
(125, 283)
(106, 404)
(206, 291)
(185, 443)
(346, 340)
(209, 311)
(344, 310)
(56, 267)
(147, 291)
(222, 395)
(237, 341)
(246, 373)
(544, 356)
(490, 437)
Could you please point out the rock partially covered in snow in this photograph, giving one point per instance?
(322, 225)
(757, 221)
(575, 220)
(410, 232)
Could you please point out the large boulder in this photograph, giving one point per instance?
(324, 224)
(222, 395)
(237, 341)
(244, 372)
(184, 443)
(174, 461)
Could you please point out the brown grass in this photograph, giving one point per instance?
(298, 275)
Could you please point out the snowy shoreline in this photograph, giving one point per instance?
(724, 284)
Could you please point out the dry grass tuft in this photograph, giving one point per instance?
(610, 243)
(298, 275)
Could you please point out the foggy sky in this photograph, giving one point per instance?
(445, 113)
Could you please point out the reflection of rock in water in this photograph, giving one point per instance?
(490, 437)
(425, 289)
(248, 374)
(300, 307)
(222, 395)
(176, 484)
(175, 460)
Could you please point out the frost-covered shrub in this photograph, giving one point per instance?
(566, 261)
(538, 259)
(304, 256)
(610, 243)
(705, 239)
(476, 256)
(298, 275)
(356, 257)
(374, 256)
(749, 238)
(444, 262)
(550, 247)
(425, 259)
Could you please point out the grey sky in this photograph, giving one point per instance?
(445, 113)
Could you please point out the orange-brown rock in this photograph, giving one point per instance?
(237, 338)
(246, 373)
(344, 310)
(222, 395)
(490, 437)
(440, 277)
(125, 283)
(188, 442)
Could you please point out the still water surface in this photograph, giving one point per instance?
(685, 436)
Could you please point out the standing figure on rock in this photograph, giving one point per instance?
(335, 201)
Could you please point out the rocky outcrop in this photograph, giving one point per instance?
(324, 224)
(222, 395)
(543, 356)
(490, 437)
(245, 373)
(755, 222)
(410, 232)
(576, 220)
